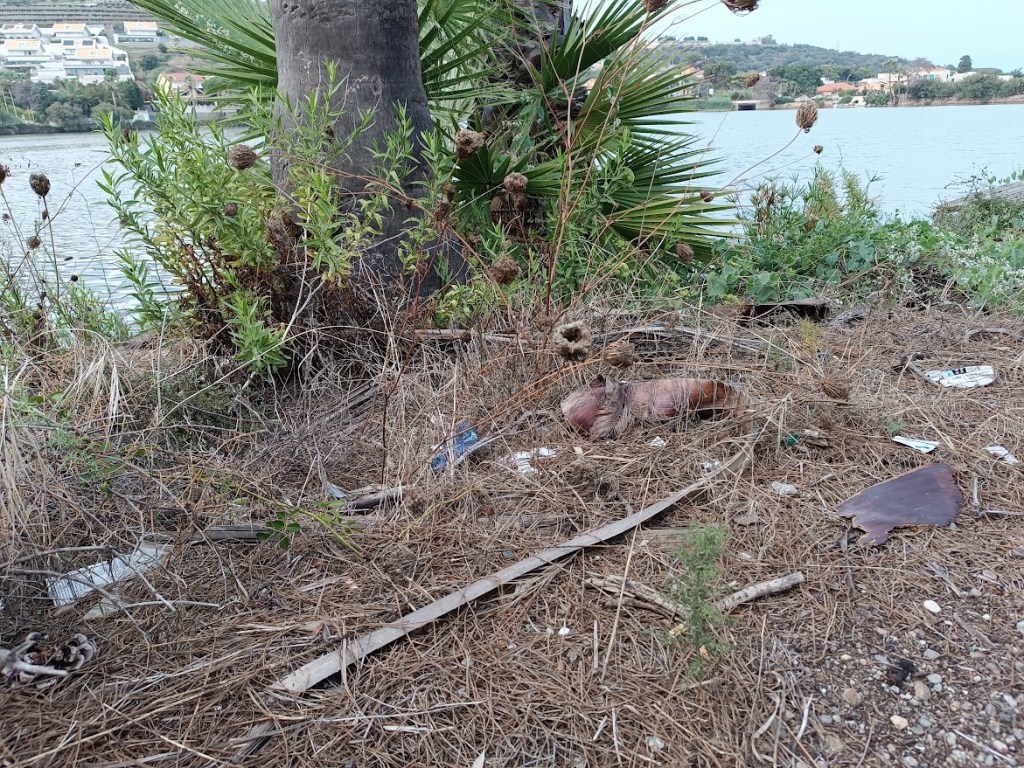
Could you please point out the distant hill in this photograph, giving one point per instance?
(759, 57)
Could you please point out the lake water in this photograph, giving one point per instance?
(920, 156)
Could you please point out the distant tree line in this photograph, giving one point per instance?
(768, 55)
(71, 105)
(983, 87)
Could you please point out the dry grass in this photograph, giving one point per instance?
(184, 687)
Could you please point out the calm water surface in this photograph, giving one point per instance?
(919, 156)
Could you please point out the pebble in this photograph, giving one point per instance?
(931, 606)
(931, 655)
(921, 692)
(833, 745)
(852, 697)
(910, 762)
(846, 657)
(934, 678)
(899, 721)
(1000, 747)
(1020, 627)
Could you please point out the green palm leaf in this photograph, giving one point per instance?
(236, 44)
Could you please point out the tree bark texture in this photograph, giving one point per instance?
(375, 46)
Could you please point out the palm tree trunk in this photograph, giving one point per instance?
(374, 44)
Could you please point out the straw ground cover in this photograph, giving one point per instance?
(548, 671)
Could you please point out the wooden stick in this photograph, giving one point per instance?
(615, 585)
(754, 591)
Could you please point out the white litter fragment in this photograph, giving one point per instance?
(334, 491)
(522, 458)
(964, 378)
(105, 607)
(654, 743)
(76, 584)
(709, 467)
(657, 442)
(564, 631)
(932, 607)
(785, 489)
(923, 446)
(1002, 453)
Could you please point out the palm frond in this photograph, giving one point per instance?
(235, 39)
(237, 48)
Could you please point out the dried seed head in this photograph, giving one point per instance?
(751, 81)
(33, 242)
(74, 278)
(46, 215)
(505, 270)
(684, 253)
(653, 6)
(621, 354)
(230, 210)
(467, 142)
(442, 211)
(515, 183)
(807, 115)
(836, 388)
(573, 341)
(4, 173)
(707, 196)
(741, 6)
(545, 322)
(40, 184)
(818, 149)
(241, 156)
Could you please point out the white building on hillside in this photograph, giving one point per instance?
(138, 32)
(20, 32)
(959, 77)
(67, 51)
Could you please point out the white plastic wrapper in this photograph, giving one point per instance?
(964, 378)
(77, 584)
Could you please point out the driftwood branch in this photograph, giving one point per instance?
(755, 591)
(645, 595)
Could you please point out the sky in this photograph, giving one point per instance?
(989, 31)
